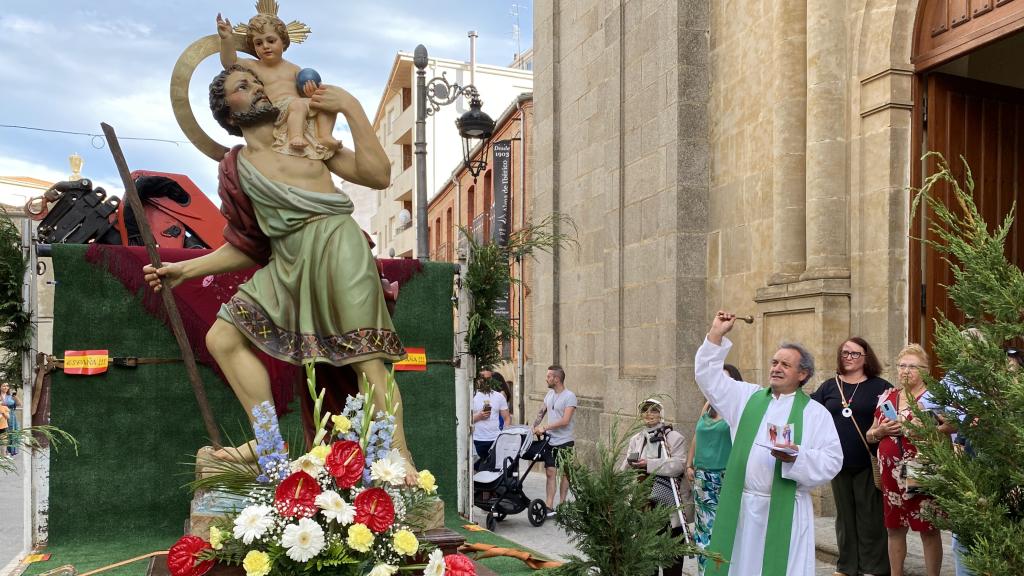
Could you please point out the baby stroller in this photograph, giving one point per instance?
(498, 486)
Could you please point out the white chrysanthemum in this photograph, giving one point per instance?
(334, 507)
(253, 522)
(435, 563)
(309, 464)
(383, 570)
(390, 469)
(303, 540)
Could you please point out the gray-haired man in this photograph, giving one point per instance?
(769, 479)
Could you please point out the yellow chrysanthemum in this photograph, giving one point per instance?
(256, 563)
(359, 538)
(320, 452)
(216, 538)
(427, 482)
(405, 542)
(341, 424)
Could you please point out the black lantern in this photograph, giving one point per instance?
(475, 127)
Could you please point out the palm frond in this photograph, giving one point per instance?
(33, 438)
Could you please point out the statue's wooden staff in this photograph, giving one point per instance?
(132, 196)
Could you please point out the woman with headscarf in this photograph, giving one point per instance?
(659, 450)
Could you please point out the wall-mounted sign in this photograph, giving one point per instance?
(502, 174)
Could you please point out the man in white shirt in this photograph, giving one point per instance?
(560, 407)
(488, 404)
(765, 521)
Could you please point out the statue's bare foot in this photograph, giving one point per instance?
(297, 143)
(330, 143)
(244, 454)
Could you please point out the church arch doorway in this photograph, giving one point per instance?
(968, 58)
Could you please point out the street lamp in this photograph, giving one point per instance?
(475, 127)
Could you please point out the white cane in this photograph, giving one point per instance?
(679, 510)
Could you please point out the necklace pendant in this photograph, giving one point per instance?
(847, 412)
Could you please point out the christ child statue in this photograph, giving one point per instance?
(299, 130)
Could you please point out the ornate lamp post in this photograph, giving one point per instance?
(474, 126)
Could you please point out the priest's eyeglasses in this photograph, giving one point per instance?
(851, 354)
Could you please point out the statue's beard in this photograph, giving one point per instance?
(261, 112)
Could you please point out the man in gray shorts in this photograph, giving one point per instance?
(560, 407)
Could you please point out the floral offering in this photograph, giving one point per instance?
(344, 508)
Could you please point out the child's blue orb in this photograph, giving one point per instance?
(305, 75)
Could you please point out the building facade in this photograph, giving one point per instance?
(495, 202)
(393, 224)
(754, 157)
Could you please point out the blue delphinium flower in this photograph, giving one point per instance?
(273, 459)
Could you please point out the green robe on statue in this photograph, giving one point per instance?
(319, 298)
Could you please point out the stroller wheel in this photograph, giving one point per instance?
(537, 513)
(490, 522)
(499, 516)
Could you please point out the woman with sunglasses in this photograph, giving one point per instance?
(903, 504)
(851, 397)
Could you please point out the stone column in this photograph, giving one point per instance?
(826, 216)
(789, 125)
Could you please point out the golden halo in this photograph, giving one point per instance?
(181, 77)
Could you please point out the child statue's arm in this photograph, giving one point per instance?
(228, 57)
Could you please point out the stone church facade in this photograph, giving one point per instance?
(751, 156)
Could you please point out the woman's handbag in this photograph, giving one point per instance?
(662, 492)
(910, 472)
(876, 471)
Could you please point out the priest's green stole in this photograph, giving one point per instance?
(783, 497)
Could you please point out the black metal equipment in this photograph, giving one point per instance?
(80, 214)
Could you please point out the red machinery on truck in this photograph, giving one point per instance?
(178, 212)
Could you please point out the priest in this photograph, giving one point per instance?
(765, 521)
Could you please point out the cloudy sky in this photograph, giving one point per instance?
(68, 65)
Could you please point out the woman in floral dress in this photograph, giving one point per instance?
(902, 504)
(705, 467)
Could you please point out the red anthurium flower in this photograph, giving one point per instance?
(458, 565)
(181, 558)
(346, 463)
(296, 495)
(375, 509)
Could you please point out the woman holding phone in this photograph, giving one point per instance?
(902, 504)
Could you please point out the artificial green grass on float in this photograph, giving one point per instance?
(424, 319)
(139, 428)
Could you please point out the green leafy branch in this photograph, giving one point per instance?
(610, 520)
(981, 491)
(489, 277)
(15, 322)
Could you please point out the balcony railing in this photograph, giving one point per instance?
(441, 253)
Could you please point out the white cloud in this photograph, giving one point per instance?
(22, 26)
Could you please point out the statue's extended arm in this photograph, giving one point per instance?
(227, 258)
(228, 56)
(366, 165)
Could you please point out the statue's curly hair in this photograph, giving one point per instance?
(218, 98)
(258, 25)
